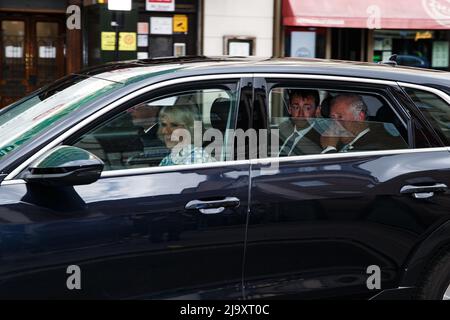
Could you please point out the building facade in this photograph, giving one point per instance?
(367, 30)
(36, 47)
(235, 27)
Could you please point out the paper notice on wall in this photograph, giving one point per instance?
(143, 27)
(46, 52)
(108, 41)
(13, 52)
(241, 49)
(142, 55)
(127, 41)
(142, 40)
(160, 5)
(161, 25)
(440, 54)
(180, 23)
(303, 44)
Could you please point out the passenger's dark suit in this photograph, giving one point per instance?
(378, 138)
(308, 144)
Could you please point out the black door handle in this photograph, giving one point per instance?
(213, 206)
(424, 192)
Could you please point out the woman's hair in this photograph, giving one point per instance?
(184, 115)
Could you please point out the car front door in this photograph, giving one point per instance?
(322, 224)
(143, 230)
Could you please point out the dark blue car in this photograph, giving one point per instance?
(99, 200)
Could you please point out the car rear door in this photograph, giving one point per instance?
(321, 224)
(142, 230)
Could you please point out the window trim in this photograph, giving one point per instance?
(263, 161)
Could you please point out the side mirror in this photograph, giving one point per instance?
(65, 166)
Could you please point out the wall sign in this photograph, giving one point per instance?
(142, 40)
(440, 54)
(108, 41)
(161, 25)
(160, 5)
(127, 41)
(142, 27)
(180, 23)
(303, 44)
(179, 49)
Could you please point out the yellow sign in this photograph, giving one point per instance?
(180, 23)
(108, 41)
(424, 35)
(127, 41)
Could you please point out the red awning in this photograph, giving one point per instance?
(368, 14)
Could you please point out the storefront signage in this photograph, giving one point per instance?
(160, 5)
(180, 23)
(424, 35)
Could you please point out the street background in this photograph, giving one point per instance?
(44, 40)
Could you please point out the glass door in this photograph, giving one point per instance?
(31, 55)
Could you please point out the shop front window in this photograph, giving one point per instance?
(305, 42)
(414, 48)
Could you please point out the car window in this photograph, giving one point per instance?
(178, 129)
(315, 121)
(435, 109)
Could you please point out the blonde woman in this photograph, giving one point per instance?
(172, 118)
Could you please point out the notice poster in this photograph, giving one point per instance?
(47, 52)
(127, 41)
(440, 54)
(238, 48)
(13, 52)
(161, 25)
(160, 5)
(142, 55)
(142, 40)
(142, 27)
(108, 41)
(180, 23)
(303, 44)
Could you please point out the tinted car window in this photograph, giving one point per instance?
(171, 130)
(435, 109)
(320, 121)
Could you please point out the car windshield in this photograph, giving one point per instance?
(21, 122)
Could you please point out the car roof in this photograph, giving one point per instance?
(136, 70)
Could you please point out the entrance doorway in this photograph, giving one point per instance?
(31, 53)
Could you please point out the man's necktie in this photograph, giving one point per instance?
(289, 145)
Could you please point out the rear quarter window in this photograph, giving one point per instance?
(435, 109)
